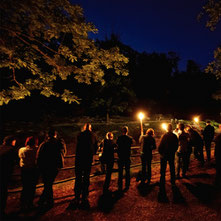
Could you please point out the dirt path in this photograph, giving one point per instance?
(195, 198)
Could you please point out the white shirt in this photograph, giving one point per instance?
(27, 157)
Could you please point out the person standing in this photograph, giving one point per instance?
(196, 141)
(218, 160)
(29, 172)
(86, 147)
(50, 158)
(167, 149)
(183, 151)
(208, 135)
(148, 144)
(124, 143)
(109, 147)
(7, 163)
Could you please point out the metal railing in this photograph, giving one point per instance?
(97, 162)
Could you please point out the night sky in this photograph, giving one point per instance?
(155, 26)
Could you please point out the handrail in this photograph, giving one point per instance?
(19, 189)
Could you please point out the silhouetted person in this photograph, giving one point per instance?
(182, 152)
(167, 149)
(197, 143)
(218, 160)
(208, 135)
(7, 162)
(148, 144)
(109, 147)
(86, 147)
(124, 143)
(29, 172)
(50, 158)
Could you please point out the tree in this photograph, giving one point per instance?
(116, 96)
(213, 10)
(34, 53)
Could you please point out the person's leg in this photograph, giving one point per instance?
(86, 181)
(149, 160)
(3, 194)
(78, 183)
(201, 155)
(120, 175)
(144, 165)
(184, 163)
(127, 175)
(108, 176)
(163, 165)
(49, 186)
(172, 171)
(208, 149)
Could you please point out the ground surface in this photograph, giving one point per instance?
(195, 198)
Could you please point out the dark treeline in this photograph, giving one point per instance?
(154, 83)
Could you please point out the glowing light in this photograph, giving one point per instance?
(141, 116)
(196, 119)
(164, 126)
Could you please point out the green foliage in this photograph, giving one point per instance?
(35, 53)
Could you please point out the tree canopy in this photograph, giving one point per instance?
(35, 52)
(212, 10)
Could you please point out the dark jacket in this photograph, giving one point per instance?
(208, 133)
(87, 146)
(108, 150)
(148, 144)
(195, 139)
(218, 149)
(168, 145)
(7, 162)
(124, 143)
(184, 143)
(51, 154)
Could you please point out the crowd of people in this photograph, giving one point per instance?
(45, 160)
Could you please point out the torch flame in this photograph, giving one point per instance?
(196, 119)
(164, 126)
(141, 116)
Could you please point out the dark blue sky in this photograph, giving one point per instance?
(155, 26)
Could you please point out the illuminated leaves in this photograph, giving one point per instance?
(213, 10)
(33, 43)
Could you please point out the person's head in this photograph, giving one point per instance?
(125, 130)
(87, 126)
(9, 140)
(109, 136)
(208, 122)
(169, 128)
(189, 129)
(31, 141)
(52, 133)
(150, 132)
(181, 126)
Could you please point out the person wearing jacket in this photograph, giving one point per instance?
(29, 172)
(167, 149)
(218, 160)
(148, 144)
(50, 158)
(196, 142)
(183, 151)
(109, 146)
(86, 148)
(124, 143)
(7, 162)
(208, 135)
